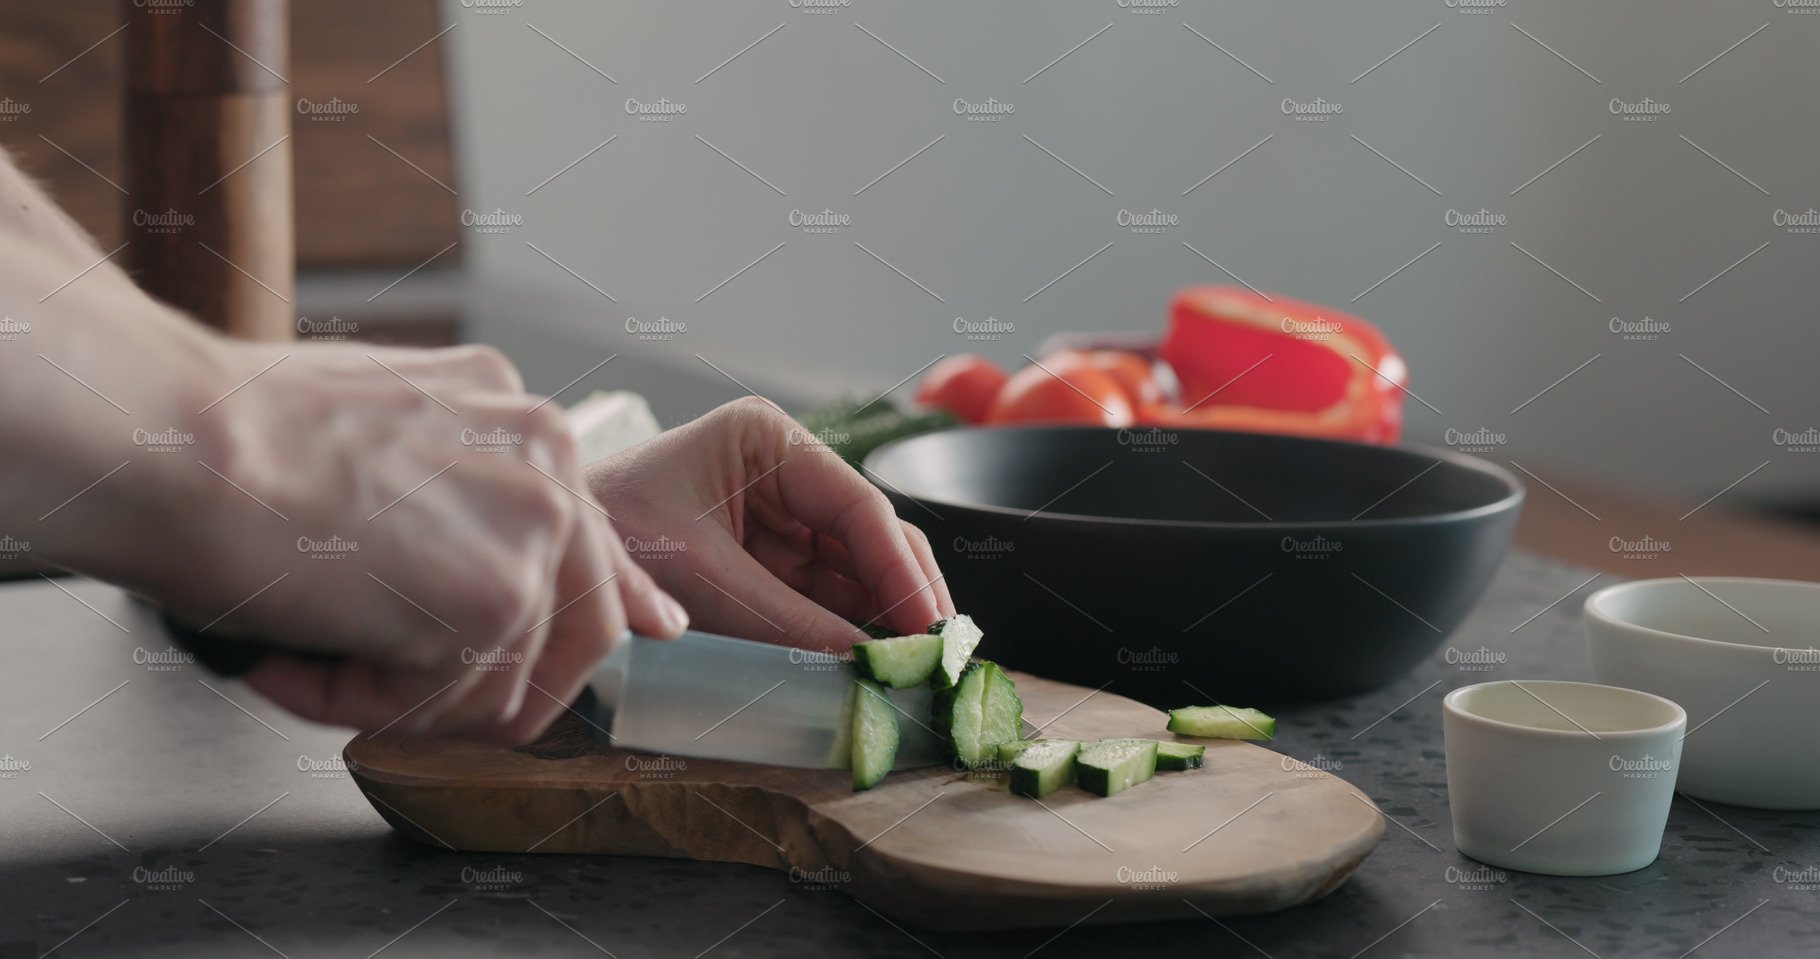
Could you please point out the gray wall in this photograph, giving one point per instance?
(1475, 109)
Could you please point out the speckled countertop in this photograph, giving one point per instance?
(147, 813)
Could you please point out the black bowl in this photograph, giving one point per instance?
(1187, 566)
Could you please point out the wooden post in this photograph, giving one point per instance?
(208, 160)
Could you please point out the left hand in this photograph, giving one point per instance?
(762, 532)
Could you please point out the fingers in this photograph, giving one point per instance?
(358, 693)
(831, 497)
(649, 610)
(734, 594)
(819, 577)
(925, 557)
(582, 631)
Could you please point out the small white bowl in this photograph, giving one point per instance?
(1738, 654)
(1565, 779)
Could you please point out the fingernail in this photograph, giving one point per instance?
(513, 705)
(676, 619)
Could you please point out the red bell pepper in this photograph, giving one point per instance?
(1246, 361)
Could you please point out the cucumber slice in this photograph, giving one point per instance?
(1009, 751)
(1221, 722)
(1002, 715)
(1175, 757)
(874, 735)
(901, 662)
(1042, 766)
(960, 637)
(955, 712)
(978, 714)
(1111, 766)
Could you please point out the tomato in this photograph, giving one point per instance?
(1062, 389)
(1133, 374)
(964, 385)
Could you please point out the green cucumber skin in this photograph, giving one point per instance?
(1109, 779)
(875, 631)
(1001, 714)
(900, 662)
(1033, 777)
(1177, 757)
(1221, 722)
(978, 714)
(874, 735)
(957, 714)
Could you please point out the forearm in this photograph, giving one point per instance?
(90, 372)
(29, 215)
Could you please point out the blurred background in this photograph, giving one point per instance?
(1589, 228)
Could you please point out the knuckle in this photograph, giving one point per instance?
(500, 606)
(915, 535)
(755, 409)
(492, 366)
(547, 428)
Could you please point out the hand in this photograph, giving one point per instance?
(416, 512)
(766, 534)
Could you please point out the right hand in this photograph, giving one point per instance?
(435, 532)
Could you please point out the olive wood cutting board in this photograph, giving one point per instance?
(937, 847)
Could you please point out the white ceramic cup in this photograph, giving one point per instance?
(1739, 655)
(1566, 779)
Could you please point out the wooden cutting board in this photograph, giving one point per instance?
(936, 847)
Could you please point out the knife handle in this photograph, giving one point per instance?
(230, 658)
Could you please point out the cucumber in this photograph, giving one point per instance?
(1221, 722)
(978, 714)
(1042, 766)
(855, 425)
(1111, 766)
(1175, 757)
(960, 637)
(1009, 751)
(846, 411)
(1002, 715)
(955, 712)
(900, 662)
(874, 735)
(854, 441)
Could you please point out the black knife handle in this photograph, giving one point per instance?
(228, 657)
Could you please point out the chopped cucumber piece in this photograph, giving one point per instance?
(901, 662)
(978, 714)
(1221, 722)
(874, 735)
(959, 639)
(1042, 766)
(955, 712)
(1111, 766)
(1008, 751)
(1175, 757)
(1002, 715)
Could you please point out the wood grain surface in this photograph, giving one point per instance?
(937, 847)
(65, 63)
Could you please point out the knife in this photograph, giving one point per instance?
(699, 695)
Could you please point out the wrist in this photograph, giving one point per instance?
(124, 488)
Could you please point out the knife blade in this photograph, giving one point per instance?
(714, 697)
(700, 695)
